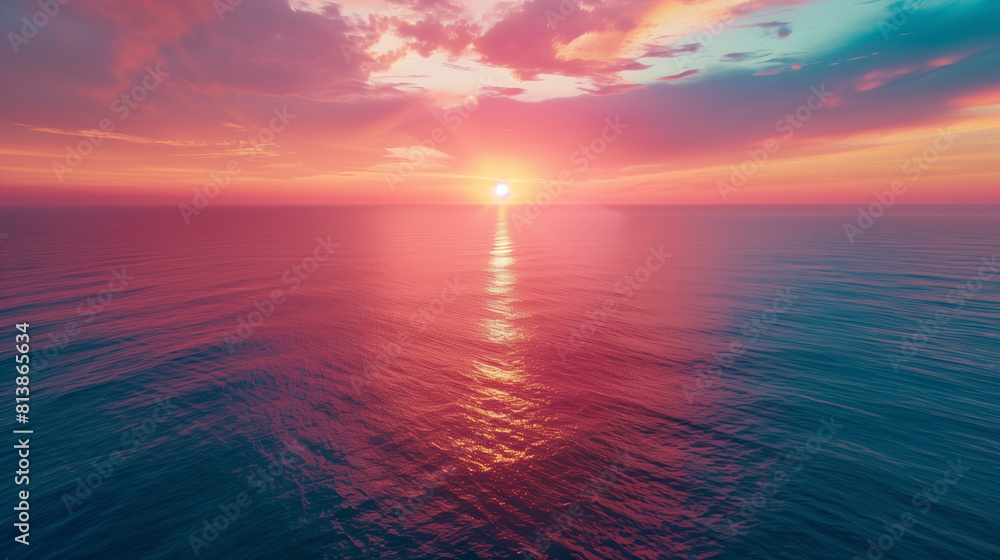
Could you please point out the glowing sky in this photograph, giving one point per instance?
(411, 101)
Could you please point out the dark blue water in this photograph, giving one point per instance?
(447, 382)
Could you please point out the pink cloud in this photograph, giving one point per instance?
(664, 51)
(529, 38)
(878, 78)
(429, 35)
(612, 88)
(752, 6)
(680, 76)
(782, 28)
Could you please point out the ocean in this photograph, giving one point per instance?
(494, 382)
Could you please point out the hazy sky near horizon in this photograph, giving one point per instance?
(409, 101)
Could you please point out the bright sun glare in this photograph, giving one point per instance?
(501, 190)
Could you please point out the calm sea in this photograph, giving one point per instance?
(467, 382)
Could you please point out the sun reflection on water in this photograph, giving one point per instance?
(503, 413)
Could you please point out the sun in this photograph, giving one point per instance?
(501, 190)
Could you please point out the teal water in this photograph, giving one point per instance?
(447, 382)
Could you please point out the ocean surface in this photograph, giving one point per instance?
(473, 382)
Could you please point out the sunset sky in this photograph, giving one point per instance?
(435, 101)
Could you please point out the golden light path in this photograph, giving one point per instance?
(504, 410)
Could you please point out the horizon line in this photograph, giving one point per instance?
(299, 205)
